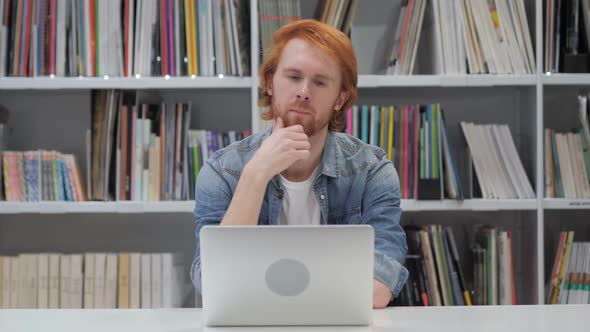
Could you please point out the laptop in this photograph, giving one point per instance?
(287, 275)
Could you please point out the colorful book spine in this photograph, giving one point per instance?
(349, 121)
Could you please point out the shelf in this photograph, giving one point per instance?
(377, 81)
(96, 207)
(188, 206)
(48, 83)
(470, 205)
(199, 82)
(566, 204)
(566, 79)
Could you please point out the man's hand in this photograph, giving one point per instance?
(381, 295)
(280, 150)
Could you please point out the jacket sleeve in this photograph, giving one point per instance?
(212, 198)
(381, 209)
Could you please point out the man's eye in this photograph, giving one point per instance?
(294, 78)
(320, 83)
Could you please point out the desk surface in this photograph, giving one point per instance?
(441, 319)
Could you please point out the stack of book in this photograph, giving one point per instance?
(435, 271)
(407, 37)
(34, 176)
(146, 152)
(337, 13)
(570, 276)
(273, 14)
(468, 37)
(567, 159)
(92, 280)
(498, 167)
(415, 139)
(493, 266)
(124, 38)
(437, 274)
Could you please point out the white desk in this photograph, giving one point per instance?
(568, 318)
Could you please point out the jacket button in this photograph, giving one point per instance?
(322, 197)
(280, 196)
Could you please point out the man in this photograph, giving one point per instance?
(304, 171)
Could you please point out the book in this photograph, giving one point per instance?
(498, 167)
(567, 158)
(436, 262)
(144, 151)
(463, 37)
(415, 139)
(124, 38)
(89, 280)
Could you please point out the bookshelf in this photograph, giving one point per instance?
(128, 207)
(565, 204)
(527, 103)
(381, 81)
(86, 83)
(550, 79)
(409, 205)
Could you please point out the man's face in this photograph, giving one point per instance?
(305, 88)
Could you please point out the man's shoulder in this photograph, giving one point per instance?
(355, 155)
(234, 157)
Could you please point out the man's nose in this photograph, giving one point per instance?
(303, 91)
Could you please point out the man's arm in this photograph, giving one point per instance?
(381, 209)
(279, 151)
(216, 204)
(247, 200)
(212, 198)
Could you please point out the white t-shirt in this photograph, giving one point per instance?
(300, 206)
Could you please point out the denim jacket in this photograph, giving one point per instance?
(357, 185)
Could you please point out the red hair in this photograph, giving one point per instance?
(332, 42)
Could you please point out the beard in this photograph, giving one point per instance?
(311, 123)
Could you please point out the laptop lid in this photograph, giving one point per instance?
(287, 275)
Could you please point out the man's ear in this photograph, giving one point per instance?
(341, 100)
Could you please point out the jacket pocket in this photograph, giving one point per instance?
(352, 216)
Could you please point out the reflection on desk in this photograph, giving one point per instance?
(554, 318)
